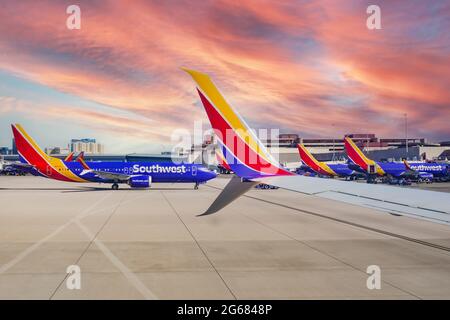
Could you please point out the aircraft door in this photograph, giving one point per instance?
(194, 170)
(371, 169)
(49, 171)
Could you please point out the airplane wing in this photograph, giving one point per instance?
(20, 165)
(17, 165)
(250, 160)
(428, 205)
(119, 177)
(409, 172)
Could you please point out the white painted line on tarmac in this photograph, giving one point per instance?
(132, 278)
(36, 245)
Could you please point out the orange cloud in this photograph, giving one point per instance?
(297, 66)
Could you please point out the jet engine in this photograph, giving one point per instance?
(140, 181)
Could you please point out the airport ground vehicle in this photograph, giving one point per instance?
(223, 170)
(10, 171)
(400, 182)
(265, 186)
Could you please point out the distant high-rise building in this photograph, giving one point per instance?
(4, 151)
(14, 148)
(86, 145)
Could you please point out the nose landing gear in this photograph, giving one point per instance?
(115, 186)
(196, 186)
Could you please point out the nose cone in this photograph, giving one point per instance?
(211, 175)
(204, 174)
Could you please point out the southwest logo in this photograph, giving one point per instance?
(159, 169)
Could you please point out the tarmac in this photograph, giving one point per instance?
(149, 244)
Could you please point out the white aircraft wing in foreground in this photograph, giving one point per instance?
(429, 205)
(253, 164)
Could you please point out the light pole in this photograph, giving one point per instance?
(334, 143)
(406, 134)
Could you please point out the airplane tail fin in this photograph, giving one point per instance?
(33, 155)
(356, 155)
(359, 158)
(244, 153)
(27, 148)
(309, 160)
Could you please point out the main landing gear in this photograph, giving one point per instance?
(196, 186)
(115, 186)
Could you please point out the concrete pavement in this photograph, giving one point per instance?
(149, 244)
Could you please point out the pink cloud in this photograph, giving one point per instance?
(298, 66)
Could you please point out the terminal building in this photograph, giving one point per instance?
(7, 151)
(134, 157)
(56, 150)
(378, 149)
(284, 149)
(332, 149)
(86, 145)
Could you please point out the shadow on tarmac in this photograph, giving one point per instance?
(90, 189)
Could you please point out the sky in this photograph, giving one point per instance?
(307, 67)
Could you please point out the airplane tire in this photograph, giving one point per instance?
(115, 186)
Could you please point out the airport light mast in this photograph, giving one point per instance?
(406, 134)
(334, 144)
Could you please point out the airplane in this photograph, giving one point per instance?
(13, 166)
(253, 164)
(328, 169)
(393, 169)
(135, 174)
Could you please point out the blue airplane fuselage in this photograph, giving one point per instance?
(158, 171)
(342, 169)
(397, 169)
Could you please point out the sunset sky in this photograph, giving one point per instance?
(308, 67)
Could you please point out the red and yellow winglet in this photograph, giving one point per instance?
(80, 159)
(308, 159)
(245, 153)
(48, 166)
(69, 157)
(407, 166)
(358, 157)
